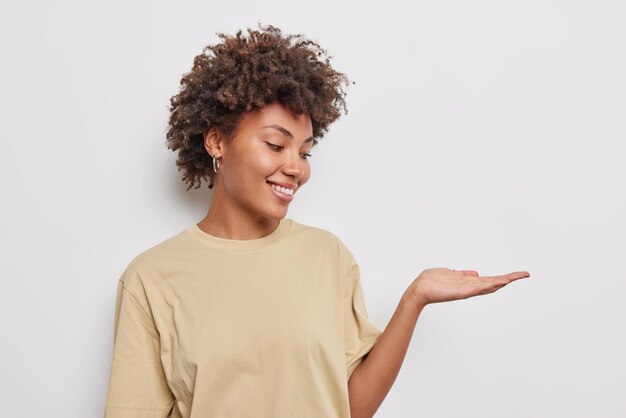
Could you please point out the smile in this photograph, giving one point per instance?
(283, 190)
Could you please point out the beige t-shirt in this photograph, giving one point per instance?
(207, 327)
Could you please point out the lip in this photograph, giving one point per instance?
(282, 197)
(286, 185)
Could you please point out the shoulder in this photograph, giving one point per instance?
(329, 249)
(154, 259)
(315, 236)
(314, 232)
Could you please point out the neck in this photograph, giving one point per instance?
(227, 221)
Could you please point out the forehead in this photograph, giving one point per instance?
(276, 113)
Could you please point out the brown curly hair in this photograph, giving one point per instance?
(245, 73)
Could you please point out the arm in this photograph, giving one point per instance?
(373, 377)
(137, 384)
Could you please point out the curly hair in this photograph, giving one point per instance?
(241, 74)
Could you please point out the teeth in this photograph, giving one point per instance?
(283, 190)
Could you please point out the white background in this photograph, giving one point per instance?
(481, 135)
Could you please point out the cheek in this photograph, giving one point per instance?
(260, 163)
(256, 166)
(244, 174)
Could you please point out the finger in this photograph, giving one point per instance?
(507, 278)
(490, 284)
(468, 272)
(486, 292)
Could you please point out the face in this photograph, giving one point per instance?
(265, 164)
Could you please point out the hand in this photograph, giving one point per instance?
(442, 284)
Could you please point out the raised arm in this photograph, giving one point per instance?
(373, 377)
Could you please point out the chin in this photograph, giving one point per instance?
(275, 215)
(278, 215)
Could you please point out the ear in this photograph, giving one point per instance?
(213, 143)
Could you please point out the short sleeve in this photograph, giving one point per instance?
(137, 385)
(360, 333)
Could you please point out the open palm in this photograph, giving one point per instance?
(442, 284)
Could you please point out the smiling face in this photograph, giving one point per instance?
(265, 163)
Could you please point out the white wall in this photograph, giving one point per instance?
(482, 135)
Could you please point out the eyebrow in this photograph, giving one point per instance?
(287, 133)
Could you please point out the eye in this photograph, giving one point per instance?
(305, 156)
(274, 146)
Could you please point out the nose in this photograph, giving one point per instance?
(293, 165)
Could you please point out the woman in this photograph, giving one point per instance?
(247, 313)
